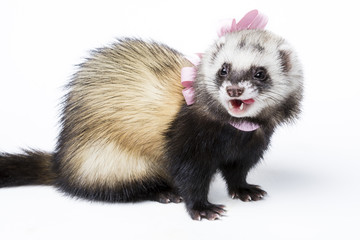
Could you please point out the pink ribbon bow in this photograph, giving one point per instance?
(188, 75)
(252, 20)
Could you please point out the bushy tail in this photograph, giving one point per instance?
(30, 168)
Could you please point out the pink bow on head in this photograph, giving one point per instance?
(252, 20)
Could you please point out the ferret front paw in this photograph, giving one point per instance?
(248, 193)
(209, 211)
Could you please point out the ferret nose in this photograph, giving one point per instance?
(234, 91)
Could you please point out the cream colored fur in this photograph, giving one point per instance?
(120, 104)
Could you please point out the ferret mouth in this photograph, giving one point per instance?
(237, 106)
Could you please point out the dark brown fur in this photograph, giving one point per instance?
(30, 168)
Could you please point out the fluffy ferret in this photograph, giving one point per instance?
(128, 135)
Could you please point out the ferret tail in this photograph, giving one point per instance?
(29, 168)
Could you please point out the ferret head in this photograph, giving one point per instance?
(252, 75)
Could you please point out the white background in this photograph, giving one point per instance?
(311, 171)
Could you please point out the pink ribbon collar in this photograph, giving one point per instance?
(252, 20)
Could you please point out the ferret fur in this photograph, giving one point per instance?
(128, 135)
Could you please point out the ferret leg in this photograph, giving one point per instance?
(235, 176)
(193, 181)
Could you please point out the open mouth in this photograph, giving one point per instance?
(238, 106)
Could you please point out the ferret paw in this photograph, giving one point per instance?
(210, 212)
(248, 193)
(168, 197)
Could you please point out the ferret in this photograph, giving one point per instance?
(127, 134)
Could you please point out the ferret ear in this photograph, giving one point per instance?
(221, 41)
(285, 60)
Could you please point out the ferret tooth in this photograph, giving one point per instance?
(242, 106)
(230, 105)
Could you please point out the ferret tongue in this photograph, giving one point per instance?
(245, 126)
(248, 101)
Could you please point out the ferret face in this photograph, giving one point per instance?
(247, 72)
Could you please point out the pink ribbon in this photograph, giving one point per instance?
(245, 126)
(188, 75)
(252, 20)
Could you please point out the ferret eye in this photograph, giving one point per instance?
(260, 74)
(224, 71)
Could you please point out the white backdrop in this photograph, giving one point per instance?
(311, 171)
